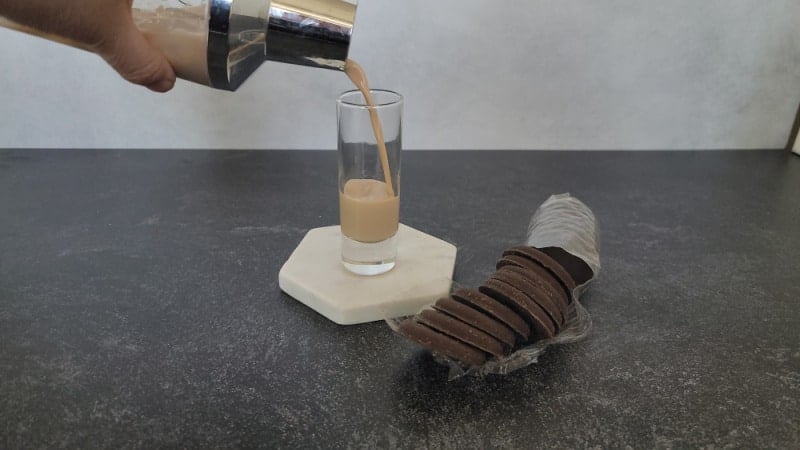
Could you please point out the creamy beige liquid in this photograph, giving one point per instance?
(367, 212)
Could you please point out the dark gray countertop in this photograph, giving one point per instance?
(139, 304)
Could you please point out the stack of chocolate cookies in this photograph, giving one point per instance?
(528, 298)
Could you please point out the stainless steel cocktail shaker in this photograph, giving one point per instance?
(220, 43)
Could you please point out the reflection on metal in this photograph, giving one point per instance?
(310, 32)
(245, 33)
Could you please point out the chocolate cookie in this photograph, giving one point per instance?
(516, 260)
(522, 304)
(555, 297)
(477, 319)
(457, 329)
(534, 291)
(492, 307)
(538, 273)
(577, 268)
(548, 263)
(441, 343)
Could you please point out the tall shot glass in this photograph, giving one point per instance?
(369, 149)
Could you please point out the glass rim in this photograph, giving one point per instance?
(341, 101)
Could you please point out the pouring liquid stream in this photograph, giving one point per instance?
(359, 79)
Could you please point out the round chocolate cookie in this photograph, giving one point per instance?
(441, 343)
(477, 319)
(538, 273)
(499, 311)
(534, 291)
(459, 330)
(519, 302)
(567, 283)
(516, 260)
(552, 290)
(577, 268)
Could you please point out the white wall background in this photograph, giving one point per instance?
(514, 74)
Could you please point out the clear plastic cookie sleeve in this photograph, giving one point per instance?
(566, 229)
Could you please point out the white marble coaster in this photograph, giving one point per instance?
(315, 276)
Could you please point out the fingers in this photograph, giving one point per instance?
(137, 60)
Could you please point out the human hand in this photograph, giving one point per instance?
(103, 26)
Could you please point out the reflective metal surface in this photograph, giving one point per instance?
(244, 33)
(310, 32)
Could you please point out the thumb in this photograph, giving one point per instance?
(137, 60)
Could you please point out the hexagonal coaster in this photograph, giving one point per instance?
(315, 276)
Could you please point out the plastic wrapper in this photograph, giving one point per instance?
(566, 229)
(565, 223)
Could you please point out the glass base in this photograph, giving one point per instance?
(369, 258)
(368, 269)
